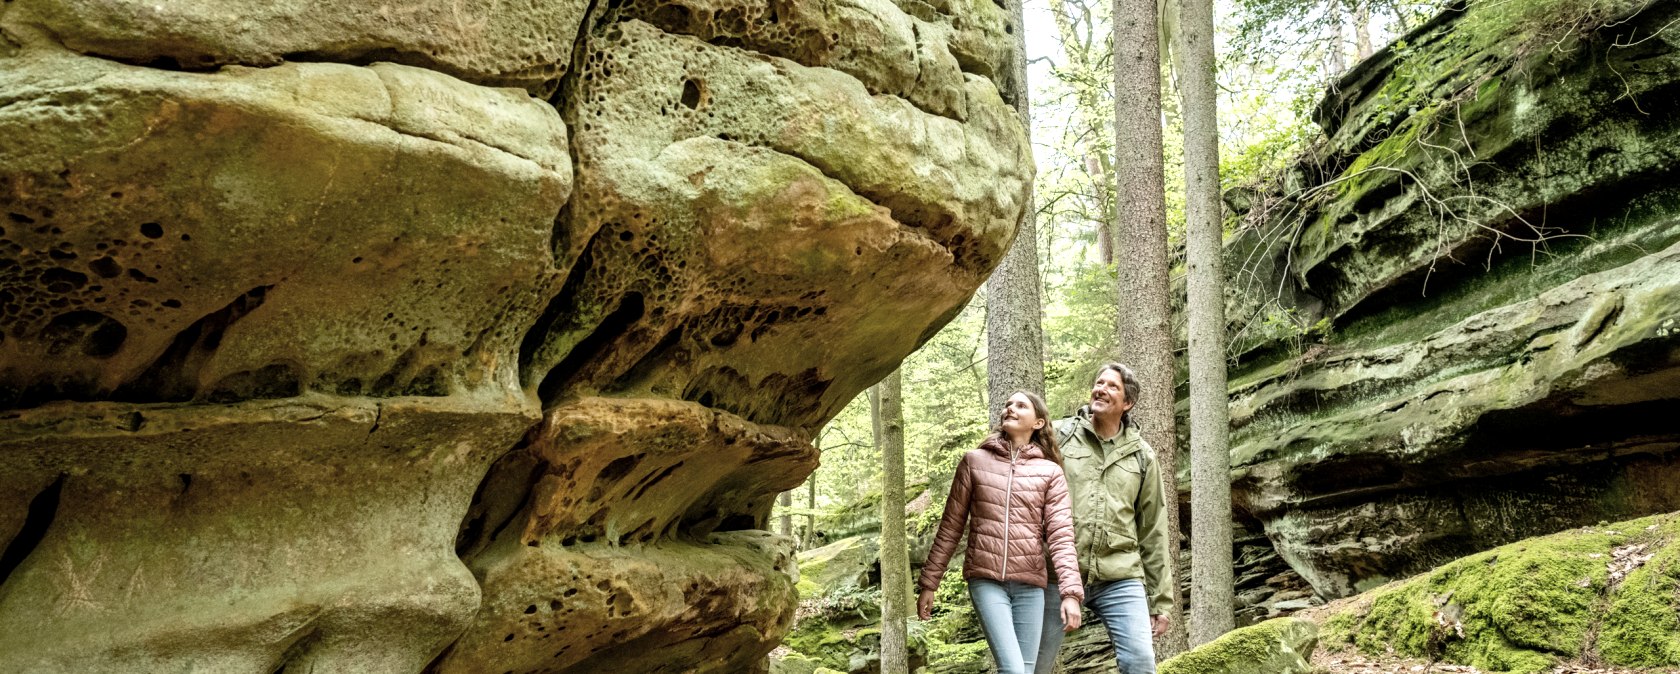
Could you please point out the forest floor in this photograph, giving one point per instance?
(1354, 662)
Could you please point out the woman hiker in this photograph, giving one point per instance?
(1012, 497)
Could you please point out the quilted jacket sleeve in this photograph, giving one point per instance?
(1058, 534)
(951, 526)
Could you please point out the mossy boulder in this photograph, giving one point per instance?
(1604, 593)
(847, 565)
(1278, 646)
(793, 663)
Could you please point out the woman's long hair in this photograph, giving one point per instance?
(1044, 437)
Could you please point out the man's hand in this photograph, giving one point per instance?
(924, 605)
(1158, 624)
(1070, 614)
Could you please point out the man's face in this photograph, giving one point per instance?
(1108, 395)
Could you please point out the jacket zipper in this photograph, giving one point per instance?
(1008, 504)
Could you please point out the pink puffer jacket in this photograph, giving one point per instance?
(1015, 507)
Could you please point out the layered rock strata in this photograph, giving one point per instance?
(459, 336)
(1459, 311)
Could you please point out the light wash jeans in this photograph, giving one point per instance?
(1012, 615)
(1123, 610)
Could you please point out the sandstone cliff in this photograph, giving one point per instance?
(460, 336)
(1459, 310)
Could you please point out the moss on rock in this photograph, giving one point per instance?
(1280, 646)
(1642, 626)
(1524, 606)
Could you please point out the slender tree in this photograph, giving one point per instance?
(1338, 49)
(786, 502)
(887, 411)
(1211, 611)
(1145, 335)
(811, 510)
(1014, 333)
(1362, 29)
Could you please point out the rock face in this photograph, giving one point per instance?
(461, 336)
(1484, 250)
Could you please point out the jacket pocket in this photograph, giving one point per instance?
(1116, 541)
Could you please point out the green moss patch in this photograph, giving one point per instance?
(1280, 646)
(1583, 594)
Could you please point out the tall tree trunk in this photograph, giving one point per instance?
(1211, 597)
(1338, 51)
(1014, 335)
(1145, 335)
(786, 501)
(887, 410)
(1362, 29)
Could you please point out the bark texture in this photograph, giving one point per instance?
(1145, 335)
(1210, 459)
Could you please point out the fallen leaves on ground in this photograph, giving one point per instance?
(1625, 559)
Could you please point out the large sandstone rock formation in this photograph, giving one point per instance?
(1484, 259)
(459, 336)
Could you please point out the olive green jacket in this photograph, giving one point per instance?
(1120, 526)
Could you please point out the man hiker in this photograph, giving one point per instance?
(1120, 525)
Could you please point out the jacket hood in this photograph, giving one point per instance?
(999, 446)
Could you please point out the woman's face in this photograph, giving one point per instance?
(1018, 415)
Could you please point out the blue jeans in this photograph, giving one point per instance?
(1123, 610)
(1012, 615)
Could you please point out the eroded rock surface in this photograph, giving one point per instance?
(461, 336)
(1460, 311)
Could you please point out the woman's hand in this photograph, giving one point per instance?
(924, 605)
(1070, 614)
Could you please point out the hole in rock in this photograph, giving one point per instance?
(691, 94)
(36, 521)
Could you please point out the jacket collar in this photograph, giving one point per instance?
(1119, 447)
(1000, 447)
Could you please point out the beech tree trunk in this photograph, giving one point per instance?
(1338, 51)
(1362, 29)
